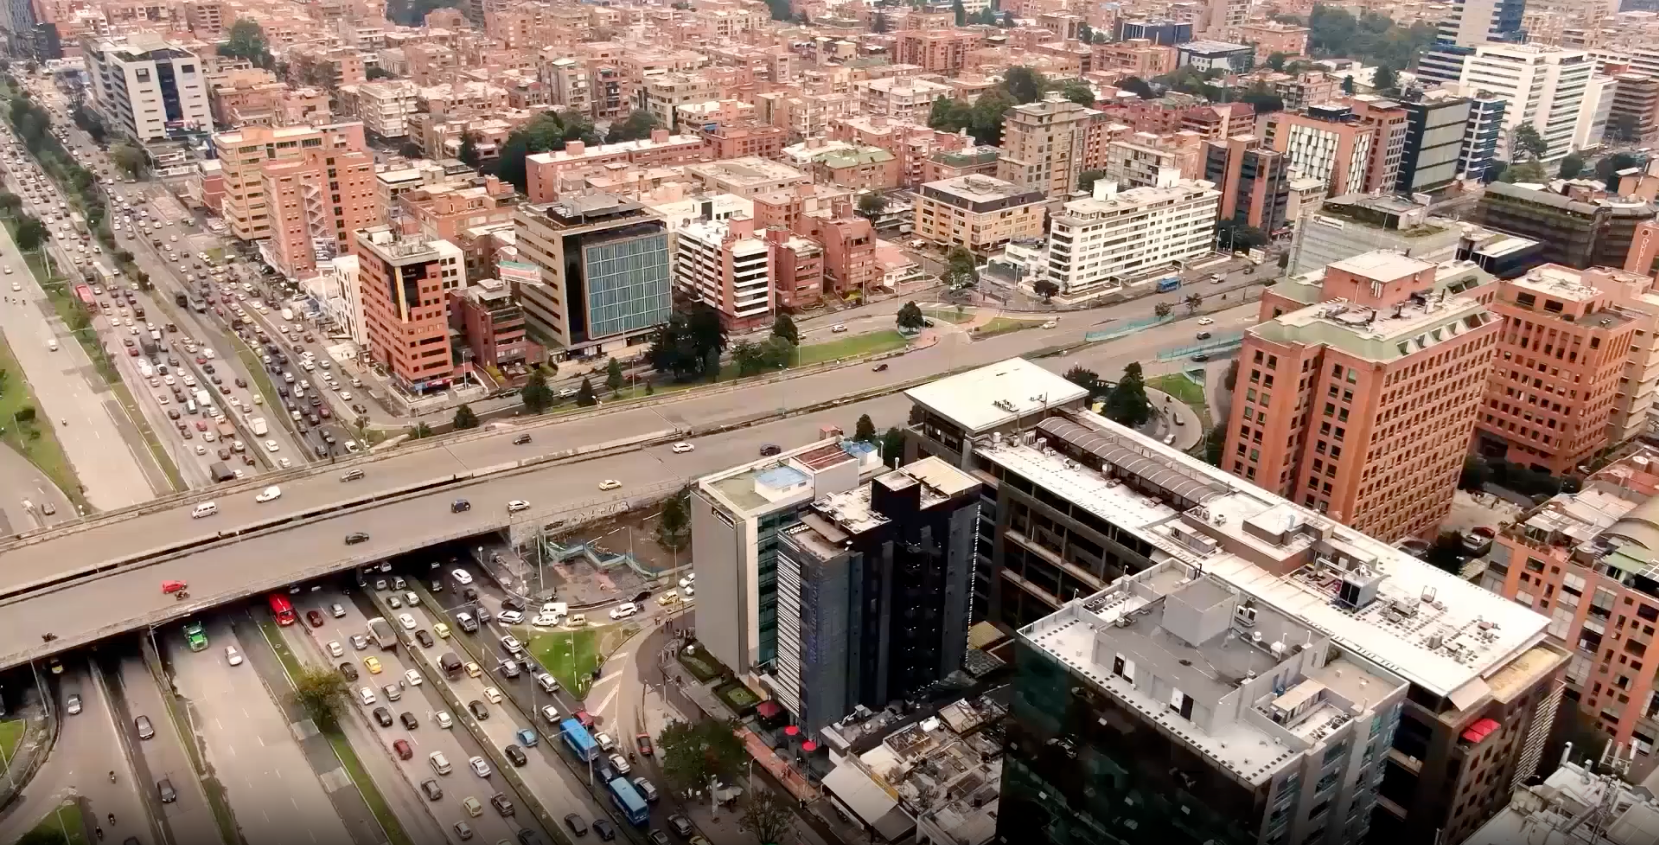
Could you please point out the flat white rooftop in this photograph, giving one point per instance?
(996, 394)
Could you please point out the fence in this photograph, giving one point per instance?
(1213, 346)
(1126, 329)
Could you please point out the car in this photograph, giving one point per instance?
(461, 576)
(681, 825)
(145, 729)
(443, 720)
(356, 537)
(837, 328)
(511, 617)
(272, 446)
(407, 621)
(473, 806)
(394, 601)
(372, 663)
(769, 449)
(624, 610)
(682, 448)
(315, 618)
(517, 505)
(478, 710)
(338, 610)
(408, 720)
(602, 828)
(609, 484)
(359, 641)
(335, 649)
(269, 494)
(463, 831)
(578, 826)
(515, 755)
(165, 790)
(472, 669)
(404, 750)
(643, 743)
(460, 506)
(72, 705)
(1205, 321)
(383, 717)
(521, 440)
(620, 764)
(657, 837)
(503, 806)
(479, 766)
(432, 790)
(493, 694)
(349, 671)
(424, 637)
(412, 677)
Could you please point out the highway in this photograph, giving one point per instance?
(266, 560)
(163, 757)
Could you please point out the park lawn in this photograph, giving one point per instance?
(36, 441)
(850, 347)
(61, 825)
(1004, 325)
(1184, 390)
(569, 656)
(11, 734)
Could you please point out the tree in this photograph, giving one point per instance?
(1024, 84)
(10, 203)
(1348, 84)
(694, 754)
(872, 203)
(374, 72)
(1237, 237)
(1086, 180)
(410, 149)
(1527, 171)
(30, 233)
(129, 160)
(1085, 33)
(1384, 79)
(613, 376)
(1137, 86)
(879, 24)
(684, 346)
(1623, 128)
(1447, 552)
(1525, 142)
(469, 149)
(784, 327)
(1127, 404)
(674, 523)
(1276, 61)
(910, 318)
(1045, 288)
(319, 691)
(1162, 310)
(1193, 301)
(1230, 379)
(767, 815)
(1262, 100)
(864, 431)
(892, 447)
(247, 41)
(465, 418)
(1571, 166)
(545, 132)
(780, 10)
(961, 268)
(1214, 441)
(537, 396)
(960, 12)
(1475, 474)
(636, 126)
(1608, 168)
(1078, 92)
(584, 394)
(1083, 377)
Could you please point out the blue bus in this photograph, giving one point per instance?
(579, 741)
(1169, 283)
(626, 798)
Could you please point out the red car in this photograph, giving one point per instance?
(404, 752)
(201, 425)
(172, 586)
(583, 717)
(643, 743)
(133, 352)
(315, 618)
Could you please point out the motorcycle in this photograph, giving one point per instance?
(111, 775)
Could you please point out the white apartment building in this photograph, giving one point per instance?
(1099, 243)
(337, 287)
(901, 98)
(1545, 87)
(567, 84)
(145, 87)
(723, 265)
(384, 107)
(1597, 110)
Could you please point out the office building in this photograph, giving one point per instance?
(903, 98)
(1579, 223)
(1577, 806)
(407, 281)
(1099, 243)
(1390, 124)
(1469, 24)
(1481, 135)
(146, 88)
(724, 265)
(491, 325)
(1436, 124)
(1045, 145)
(1343, 227)
(738, 518)
(604, 264)
(661, 96)
(316, 203)
(1254, 182)
(1327, 143)
(1586, 560)
(206, 18)
(1544, 87)
(1633, 115)
(1073, 502)
(1205, 56)
(245, 153)
(1501, 254)
(1334, 415)
(873, 588)
(1553, 389)
(978, 213)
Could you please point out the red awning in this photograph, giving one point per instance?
(768, 709)
(1480, 730)
(791, 731)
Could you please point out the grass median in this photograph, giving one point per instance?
(1186, 391)
(849, 347)
(30, 432)
(337, 740)
(62, 825)
(11, 733)
(1004, 325)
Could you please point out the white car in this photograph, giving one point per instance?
(268, 494)
(443, 720)
(510, 617)
(609, 484)
(547, 620)
(837, 328)
(232, 656)
(1205, 321)
(271, 446)
(461, 576)
(335, 649)
(620, 763)
(624, 610)
(517, 505)
(480, 766)
(493, 695)
(284, 463)
(682, 448)
(413, 678)
(407, 621)
(688, 580)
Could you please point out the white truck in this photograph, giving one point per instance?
(204, 399)
(258, 426)
(288, 314)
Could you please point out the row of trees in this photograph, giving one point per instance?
(545, 132)
(1126, 402)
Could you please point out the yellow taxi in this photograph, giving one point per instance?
(441, 630)
(372, 664)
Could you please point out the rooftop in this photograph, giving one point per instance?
(750, 170)
(1382, 265)
(996, 395)
(1426, 320)
(1574, 807)
(1558, 282)
(792, 478)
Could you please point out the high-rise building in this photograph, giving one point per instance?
(873, 588)
(1073, 502)
(1634, 113)
(1436, 123)
(738, 519)
(1545, 87)
(1577, 805)
(1100, 242)
(1388, 145)
(407, 282)
(245, 153)
(1360, 404)
(1326, 142)
(1555, 381)
(1470, 24)
(1579, 223)
(1254, 182)
(316, 203)
(1481, 135)
(1045, 144)
(604, 265)
(146, 88)
(723, 265)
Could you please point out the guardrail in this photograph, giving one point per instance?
(1225, 343)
